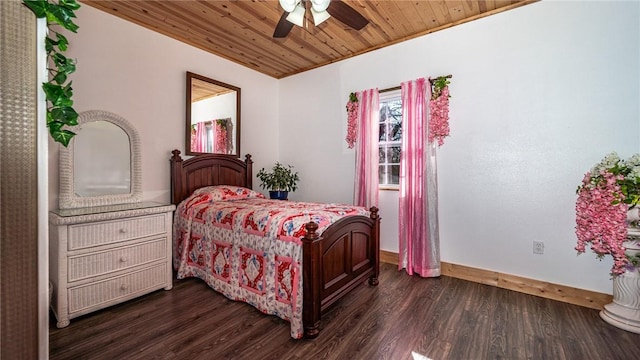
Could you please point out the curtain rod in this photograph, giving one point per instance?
(389, 89)
(431, 80)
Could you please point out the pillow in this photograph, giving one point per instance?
(227, 192)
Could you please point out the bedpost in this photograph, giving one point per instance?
(249, 172)
(373, 280)
(312, 264)
(176, 177)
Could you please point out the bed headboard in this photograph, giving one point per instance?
(206, 170)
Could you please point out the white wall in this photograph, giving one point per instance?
(141, 75)
(540, 94)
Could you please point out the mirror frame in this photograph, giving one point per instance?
(187, 143)
(68, 197)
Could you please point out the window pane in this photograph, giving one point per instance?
(384, 110)
(381, 153)
(394, 154)
(382, 174)
(382, 132)
(395, 174)
(396, 131)
(395, 110)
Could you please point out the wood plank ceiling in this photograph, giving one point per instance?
(242, 31)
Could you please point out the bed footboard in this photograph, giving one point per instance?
(336, 262)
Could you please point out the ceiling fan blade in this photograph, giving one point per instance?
(283, 28)
(347, 15)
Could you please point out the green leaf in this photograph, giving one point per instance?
(63, 63)
(69, 67)
(54, 126)
(60, 77)
(62, 136)
(59, 15)
(59, 59)
(70, 4)
(49, 43)
(39, 7)
(58, 95)
(62, 42)
(52, 92)
(65, 114)
(71, 26)
(68, 91)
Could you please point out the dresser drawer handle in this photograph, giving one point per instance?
(123, 231)
(124, 287)
(123, 259)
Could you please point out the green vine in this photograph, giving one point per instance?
(58, 92)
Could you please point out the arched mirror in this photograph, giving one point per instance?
(213, 117)
(101, 165)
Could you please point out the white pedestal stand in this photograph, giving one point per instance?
(624, 311)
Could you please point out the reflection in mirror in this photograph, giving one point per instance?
(102, 164)
(213, 117)
(99, 172)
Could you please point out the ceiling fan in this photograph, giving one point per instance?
(321, 10)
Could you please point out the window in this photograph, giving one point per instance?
(390, 139)
(209, 138)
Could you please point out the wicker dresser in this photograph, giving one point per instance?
(105, 255)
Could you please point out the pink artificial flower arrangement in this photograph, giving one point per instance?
(352, 120)
(607, 192)
(221, 137)
(439, 110)
(439, 123)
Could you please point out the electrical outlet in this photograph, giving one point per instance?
(538, 247)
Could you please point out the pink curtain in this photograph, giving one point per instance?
(366, 177)
(418, 213)
(200, 142)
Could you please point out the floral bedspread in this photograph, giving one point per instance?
(249, 248)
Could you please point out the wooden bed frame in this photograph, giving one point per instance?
(333, 264)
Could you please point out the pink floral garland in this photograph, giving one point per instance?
(352, 119)
(601, 216)
(439, 123)
(221, 138)
(193, 138)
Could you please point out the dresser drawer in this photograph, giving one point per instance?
(106, 232)
(102, 293)
(104, 262)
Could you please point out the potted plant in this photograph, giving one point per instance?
(279, 181)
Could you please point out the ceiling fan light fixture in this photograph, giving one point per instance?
(319, 16)
(289, 5)
(297, 15)
(320, 5)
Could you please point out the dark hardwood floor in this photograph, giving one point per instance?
(442, 318)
